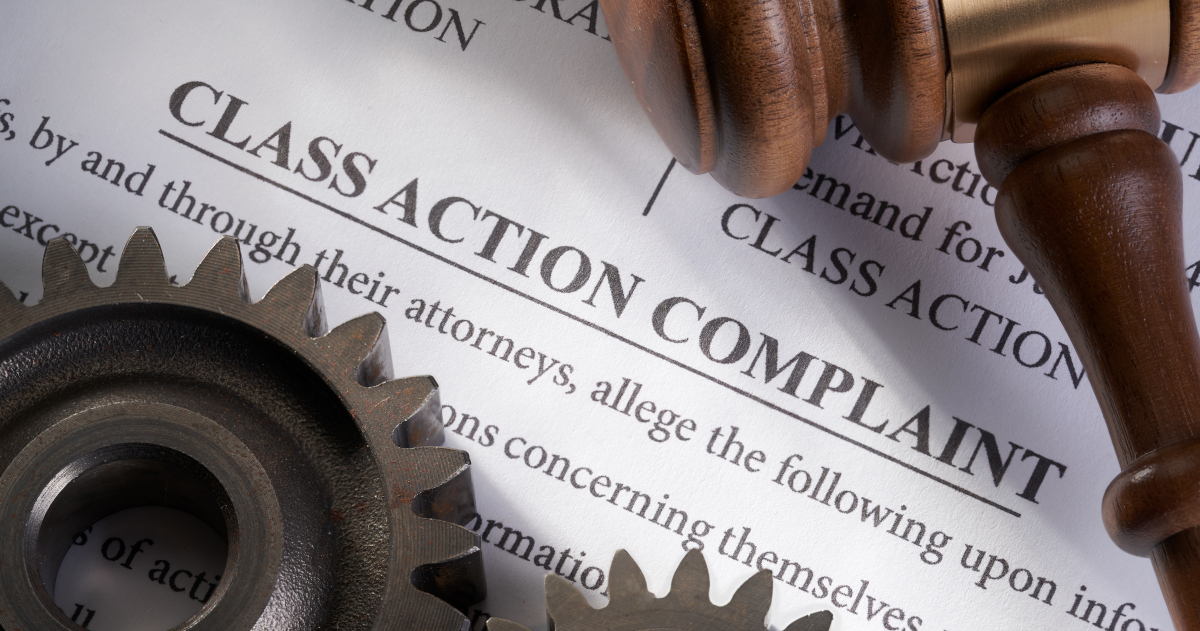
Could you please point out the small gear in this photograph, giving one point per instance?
(294, 444)
(631, 606)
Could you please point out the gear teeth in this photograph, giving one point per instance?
(452, 501)
(499, 624)
(428, 490)
(687, 606)
(690, 581)
(63, 271)
(819, 621)
(9, 305)
(563, 601)
(296, 301)
(428, 468)
(221, 271)
(753, 599)
(355, 343)
(626, 583)
(376, 367)
(458, 581)
(450, 563)
(142, 264)
(405, 413)
(416, 401)
(442, 543)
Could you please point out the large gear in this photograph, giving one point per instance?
(293, 443)
(632, 607)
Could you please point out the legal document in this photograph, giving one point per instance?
(854, 385)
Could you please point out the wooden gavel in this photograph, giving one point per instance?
(1057, 96)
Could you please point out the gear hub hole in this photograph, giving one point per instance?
(136, 538)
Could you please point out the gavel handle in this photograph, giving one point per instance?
(1091, 202)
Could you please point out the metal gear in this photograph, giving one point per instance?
(631, 606)
(293, 443)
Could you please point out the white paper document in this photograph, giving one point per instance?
(853, 385)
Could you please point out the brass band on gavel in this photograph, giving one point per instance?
(996, 45)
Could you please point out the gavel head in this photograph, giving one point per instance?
(745, 89)
(1089, 198)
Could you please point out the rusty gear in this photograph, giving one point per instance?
(631, 606)
(293, 443)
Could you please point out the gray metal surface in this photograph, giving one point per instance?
(293, 443)
(632, 607)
